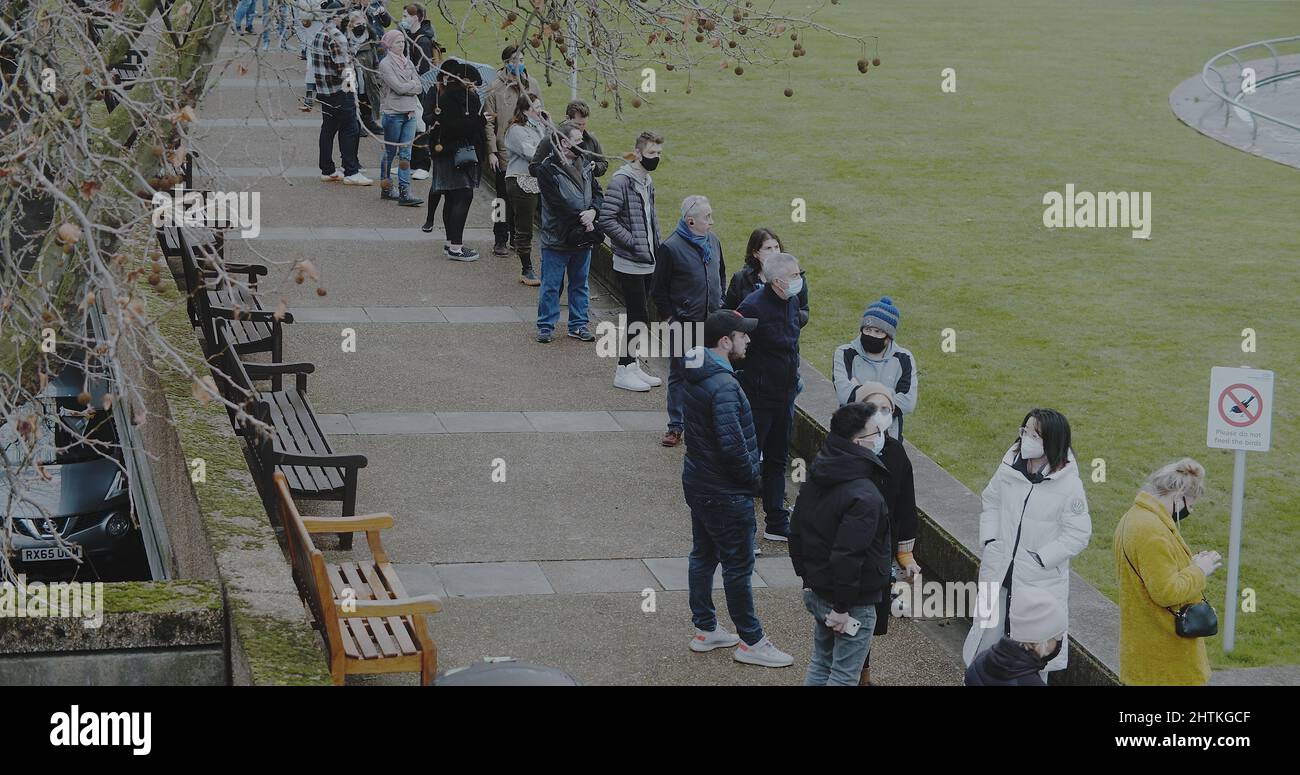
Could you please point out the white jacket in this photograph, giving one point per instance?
(1052, 521)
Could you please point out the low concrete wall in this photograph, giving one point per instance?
(152, 633)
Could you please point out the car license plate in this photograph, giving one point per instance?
(49, 553)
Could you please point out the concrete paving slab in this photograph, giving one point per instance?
(594, 576)
(481, 314)
(572, 422)
(330, 315)
(485, 422)
(672, 574)
(494, 579)
(777, 572)
(367, 423)
(641, 421)
(335, 424)
(406, 315)
(420, 578)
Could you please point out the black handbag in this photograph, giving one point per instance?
(1197, 620)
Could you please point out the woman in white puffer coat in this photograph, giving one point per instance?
(1035, 518)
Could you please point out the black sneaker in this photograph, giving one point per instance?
(777, 532)
(406, 200)
(387, 193)
(545, 337)
(465, 253)
(582, 334)
(428, 227)
(500, 249)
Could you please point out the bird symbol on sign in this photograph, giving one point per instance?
(1238, 409)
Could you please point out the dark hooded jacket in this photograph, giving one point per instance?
(839, 531)
(771, 378)
(1007, 663)
(721, 446)
(566, 190)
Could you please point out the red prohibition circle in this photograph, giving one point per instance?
(1250, 419)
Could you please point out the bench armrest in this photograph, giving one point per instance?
(251, 315)
(402, 606)
(326, 461)
(248, 269)
(357, 524)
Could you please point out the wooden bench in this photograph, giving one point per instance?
(368, 622)
(296, 445)
(212, 296)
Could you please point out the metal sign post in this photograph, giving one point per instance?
(1240, 419)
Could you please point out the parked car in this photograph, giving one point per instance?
(82, 495)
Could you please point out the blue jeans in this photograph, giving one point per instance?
(722, 530)
(398, 128)
(837, 658)
(555, 263)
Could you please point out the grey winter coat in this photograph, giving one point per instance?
(623, 217)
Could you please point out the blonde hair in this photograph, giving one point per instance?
(1184, 476)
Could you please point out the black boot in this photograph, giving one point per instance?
(386, 190)
(406, 200)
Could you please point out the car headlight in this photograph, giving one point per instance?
(117, 487)
(118, 525)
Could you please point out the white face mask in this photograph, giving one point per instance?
(409, 23)
(794, 287)
(877, 442)
(1031, 448)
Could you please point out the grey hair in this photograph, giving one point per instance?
(779, 265)
(1184, 476)
(693, 203)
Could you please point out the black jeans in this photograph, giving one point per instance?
(523, 205)
(339, 117)
(501, 230)
(636, 289)
(454, 214)
(772, 427)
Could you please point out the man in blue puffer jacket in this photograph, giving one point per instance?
(720, 477)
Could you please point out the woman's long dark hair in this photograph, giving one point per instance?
(1055, 430)
(756, 240)
(522, 105)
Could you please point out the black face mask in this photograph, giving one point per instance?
(1055, 651)
(873, 344)
(358, 30)
(1183, 512)
(649, 164)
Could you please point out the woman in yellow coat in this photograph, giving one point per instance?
(1158, 575)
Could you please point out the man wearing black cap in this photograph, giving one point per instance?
(720, 477)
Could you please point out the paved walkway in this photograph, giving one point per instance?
(527, 490)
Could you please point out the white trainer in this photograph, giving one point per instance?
(357, 179)
(649, 379)
(718, 639)
(419, 175)
(764, 653)
(626, 377)
(333, 177)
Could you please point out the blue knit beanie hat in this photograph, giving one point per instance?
(883, 315)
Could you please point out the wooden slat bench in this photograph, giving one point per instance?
(215, 297)
(369, 623)
(296, 446)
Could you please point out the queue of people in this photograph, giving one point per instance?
(731, 398)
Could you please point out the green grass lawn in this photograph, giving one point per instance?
(936, 200)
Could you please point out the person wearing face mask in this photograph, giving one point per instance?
(840, 545)
(628, 217)
(527, 129)
(570, 198)
(1158, 576)
(687, 288)
(1034, 519)
(424, 51)
(1038, 624)
(899, 490)
(511, 81)
(365, 63)
(329, 64)
(875, 357)
(762, 243)
(719, 479)
(771, 379)
(401, 99)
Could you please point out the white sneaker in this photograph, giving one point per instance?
(718, 639)
(626, 377)
(333, 177)
(649, 379)
(357, 179)
(764, 653)
(419, 175)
